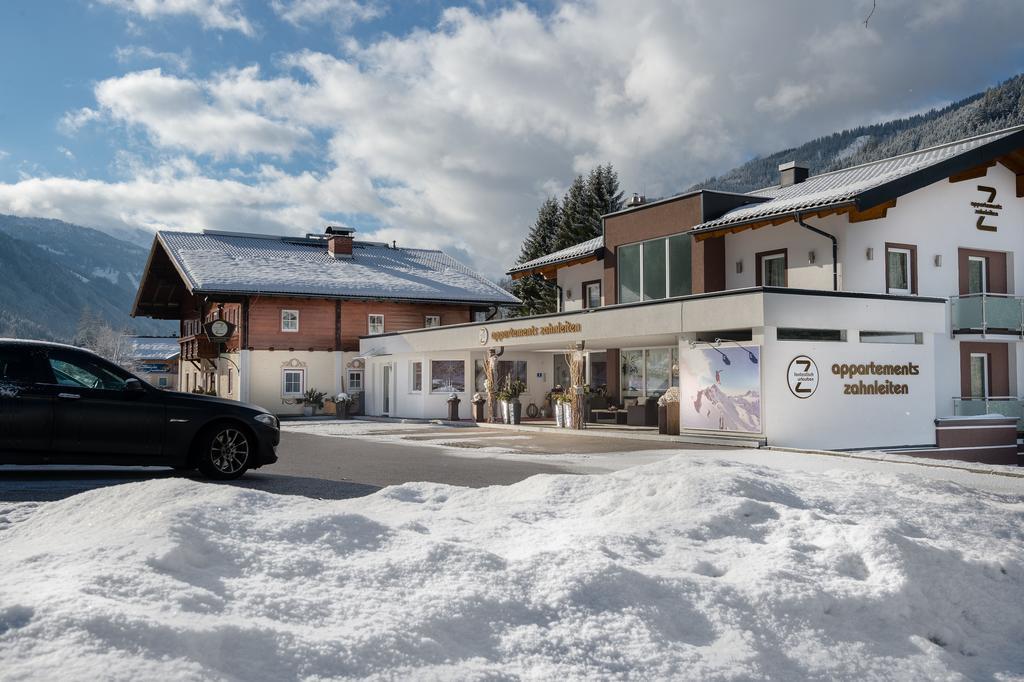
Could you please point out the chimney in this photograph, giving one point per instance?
(339, 241)
(636, 200)
(791, 173)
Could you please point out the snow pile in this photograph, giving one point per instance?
(682, 569)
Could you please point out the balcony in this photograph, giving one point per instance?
(1006, 406)
(988, 314)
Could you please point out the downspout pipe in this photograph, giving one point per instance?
(835, 249)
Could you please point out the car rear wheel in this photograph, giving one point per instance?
(225, 452)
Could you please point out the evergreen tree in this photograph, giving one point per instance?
(537, 295)
(576, 219)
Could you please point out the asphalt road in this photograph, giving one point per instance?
(315, 466)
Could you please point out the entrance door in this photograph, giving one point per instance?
(977, 275)
(386, 391)
(979, 375)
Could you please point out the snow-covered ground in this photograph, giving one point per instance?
(688, 568)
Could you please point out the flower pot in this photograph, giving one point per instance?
(515, 412)
(673, 418)
(559, 415)
(307, 410)
(341, 410)
(567, 415)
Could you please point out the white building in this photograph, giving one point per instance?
(845, 310)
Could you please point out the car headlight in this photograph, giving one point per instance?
(268, 419)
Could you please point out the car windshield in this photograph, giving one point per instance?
(83, 372)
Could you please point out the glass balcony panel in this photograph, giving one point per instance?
(1002, 312)
(968, 313)
(1007, 407)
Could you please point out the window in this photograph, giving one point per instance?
(293, 382)
(654, 269)
(432, 321)
(892, 337)
(82, 371)
(416, 377)
(162, 382)
(355, 381)
(375, 325)
(289, 320)
(592, 294)
(772, 269)
(977, 275)
(900, 269)
(979, 375)
(447, 376)
(16, 365)
(648, 371)
(794, 334)
(514, 368)
(628, 268)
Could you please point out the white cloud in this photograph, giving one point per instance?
(343, 13)
(453, 136)
(137, 53)
(66, 153)
(73, 121)
(224, 15)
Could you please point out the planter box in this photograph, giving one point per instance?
(673, 418)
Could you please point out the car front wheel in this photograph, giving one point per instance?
(225, 452)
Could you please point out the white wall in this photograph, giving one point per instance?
(938, 219)
(264, 381)
(571, 280)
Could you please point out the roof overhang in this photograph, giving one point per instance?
(164, 290)
(549, 271)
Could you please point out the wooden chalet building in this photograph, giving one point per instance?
(296, 307)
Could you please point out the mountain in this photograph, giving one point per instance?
(713, 408)
(996, 108)
(53, 273)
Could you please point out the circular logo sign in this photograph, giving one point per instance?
(219, 328)
(802, 376)
(485, 335)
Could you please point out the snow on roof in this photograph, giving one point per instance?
(570, 253)
(151, 347)
(844, 186)
(243, 263)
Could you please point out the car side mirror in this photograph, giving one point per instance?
(134, 386)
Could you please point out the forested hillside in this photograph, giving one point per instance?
(996, 108)
(53, 274)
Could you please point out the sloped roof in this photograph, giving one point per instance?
(588, 248)
(873, 183)
(226, 262)
(151, 347)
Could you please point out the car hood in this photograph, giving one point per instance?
(197, 398)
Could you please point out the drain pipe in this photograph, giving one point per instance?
(835, 249)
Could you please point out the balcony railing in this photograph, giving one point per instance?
(1006, 406)
(988, 314)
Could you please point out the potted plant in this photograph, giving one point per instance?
(513, 408)
(312, 400)
(503, 398)
(341, 402)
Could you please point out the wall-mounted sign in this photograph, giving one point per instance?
(802, 375)
(520, 332)
(720, 389)
(986, 208)
(219, 331)
(873, 369)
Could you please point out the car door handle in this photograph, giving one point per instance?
(69, 396)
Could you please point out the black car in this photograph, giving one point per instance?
(64, 405)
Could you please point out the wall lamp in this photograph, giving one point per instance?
(811, 257)
(715, 347)
(870, 253)
(739, 267)
(750, 354)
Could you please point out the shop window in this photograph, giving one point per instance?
(648, 371)
(293, 382)
(592, 294)
(772, 269)
(355, 381)
(375, 325)
(795, 334)
(892, 337)
(289, 320)
(447, 376)
(514, 368)
(416, 377)
(432, 321)
(900, 269)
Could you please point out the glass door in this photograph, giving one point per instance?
(977, 275)
(979, 375)
(386, 391)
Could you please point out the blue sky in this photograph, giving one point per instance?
(443, 124)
